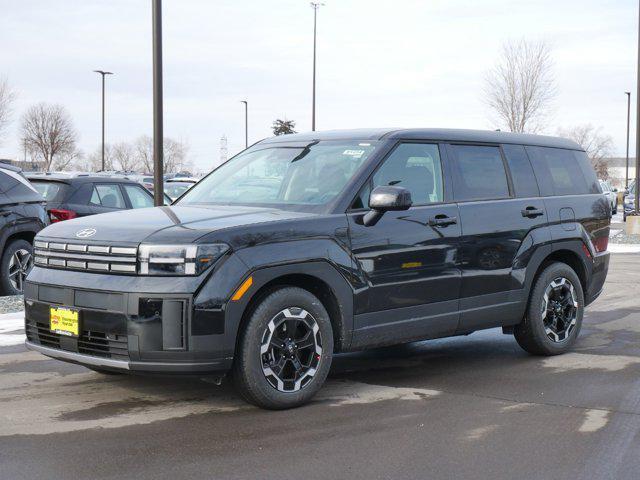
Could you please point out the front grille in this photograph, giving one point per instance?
(97, 344)
(79, 256)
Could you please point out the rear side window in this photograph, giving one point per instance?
(562, 172)
(479, 173)
(17, 187)
(108, 196)
(416, 167)
(524, 181)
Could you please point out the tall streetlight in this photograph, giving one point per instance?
(315, 6)
(637, 189)
(626, 176)
(158, 155)
(103, 74)
(246, 123)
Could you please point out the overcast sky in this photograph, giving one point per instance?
(402, 63)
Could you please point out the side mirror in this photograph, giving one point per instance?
(386, 198)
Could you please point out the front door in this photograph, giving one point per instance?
(408, 260)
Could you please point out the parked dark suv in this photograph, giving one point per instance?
(311, 244)
(69, 197)
(22, 215)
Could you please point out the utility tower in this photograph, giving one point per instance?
(223, 149)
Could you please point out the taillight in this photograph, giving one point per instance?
(59, 215)
(601, 244)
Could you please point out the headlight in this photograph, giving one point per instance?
(178, 259)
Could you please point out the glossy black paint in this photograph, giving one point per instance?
(429, 271)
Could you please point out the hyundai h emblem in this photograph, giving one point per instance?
(86, 232)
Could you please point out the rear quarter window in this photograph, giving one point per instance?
(562, 172)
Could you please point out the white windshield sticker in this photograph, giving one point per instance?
(354, 153)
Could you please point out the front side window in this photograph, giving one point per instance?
(416, 167)
(479, 173)
(311, 175)
(138, 196)
(108, 196)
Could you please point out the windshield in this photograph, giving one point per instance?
(175, 189)
(311, 175)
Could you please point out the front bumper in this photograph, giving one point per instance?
(161, 331)
(128, 365)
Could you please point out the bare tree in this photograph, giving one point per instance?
(7, 96)
(124, 156)
(175, 154)
(67, 160)
(47, 130)
(144, 152)
(520, 87)
(597, 144)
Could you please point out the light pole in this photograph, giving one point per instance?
(626, 176)
(158, 155)
(103, 74)
(315, 6)
(246, 123)
(637, 187)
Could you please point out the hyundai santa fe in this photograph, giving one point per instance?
(307, 245)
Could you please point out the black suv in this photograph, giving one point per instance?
(306, 245)
(22, 215)
(69, 196)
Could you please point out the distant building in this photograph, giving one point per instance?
(617, 167)
(26, 166)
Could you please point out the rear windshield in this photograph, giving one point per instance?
(49, 190)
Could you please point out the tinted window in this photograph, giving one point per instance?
(416, 167)
(560, 172)
(587, 170)
(479, 173)
(138, 196)
(524, 181)
(108, 196)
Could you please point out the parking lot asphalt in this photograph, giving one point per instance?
(471, 407)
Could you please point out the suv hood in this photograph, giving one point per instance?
(175, 224)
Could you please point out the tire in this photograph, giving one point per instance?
(259, 356)
(16, 262)
(540, 338)
(104, 371)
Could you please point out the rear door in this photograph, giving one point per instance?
(408, 260)
(499, 208)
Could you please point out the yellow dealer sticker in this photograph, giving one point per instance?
(64, 321)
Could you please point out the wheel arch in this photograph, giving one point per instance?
(319, 278)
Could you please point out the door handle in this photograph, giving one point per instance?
(442, 221)
(532, 212)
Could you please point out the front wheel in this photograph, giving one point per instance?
(554, 315)
(285, 350)
(15, 265)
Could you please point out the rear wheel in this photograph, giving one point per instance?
(554, 315)
(285, 350)
(15, 265)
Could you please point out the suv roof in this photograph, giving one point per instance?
(445, 134)
(79, 179)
